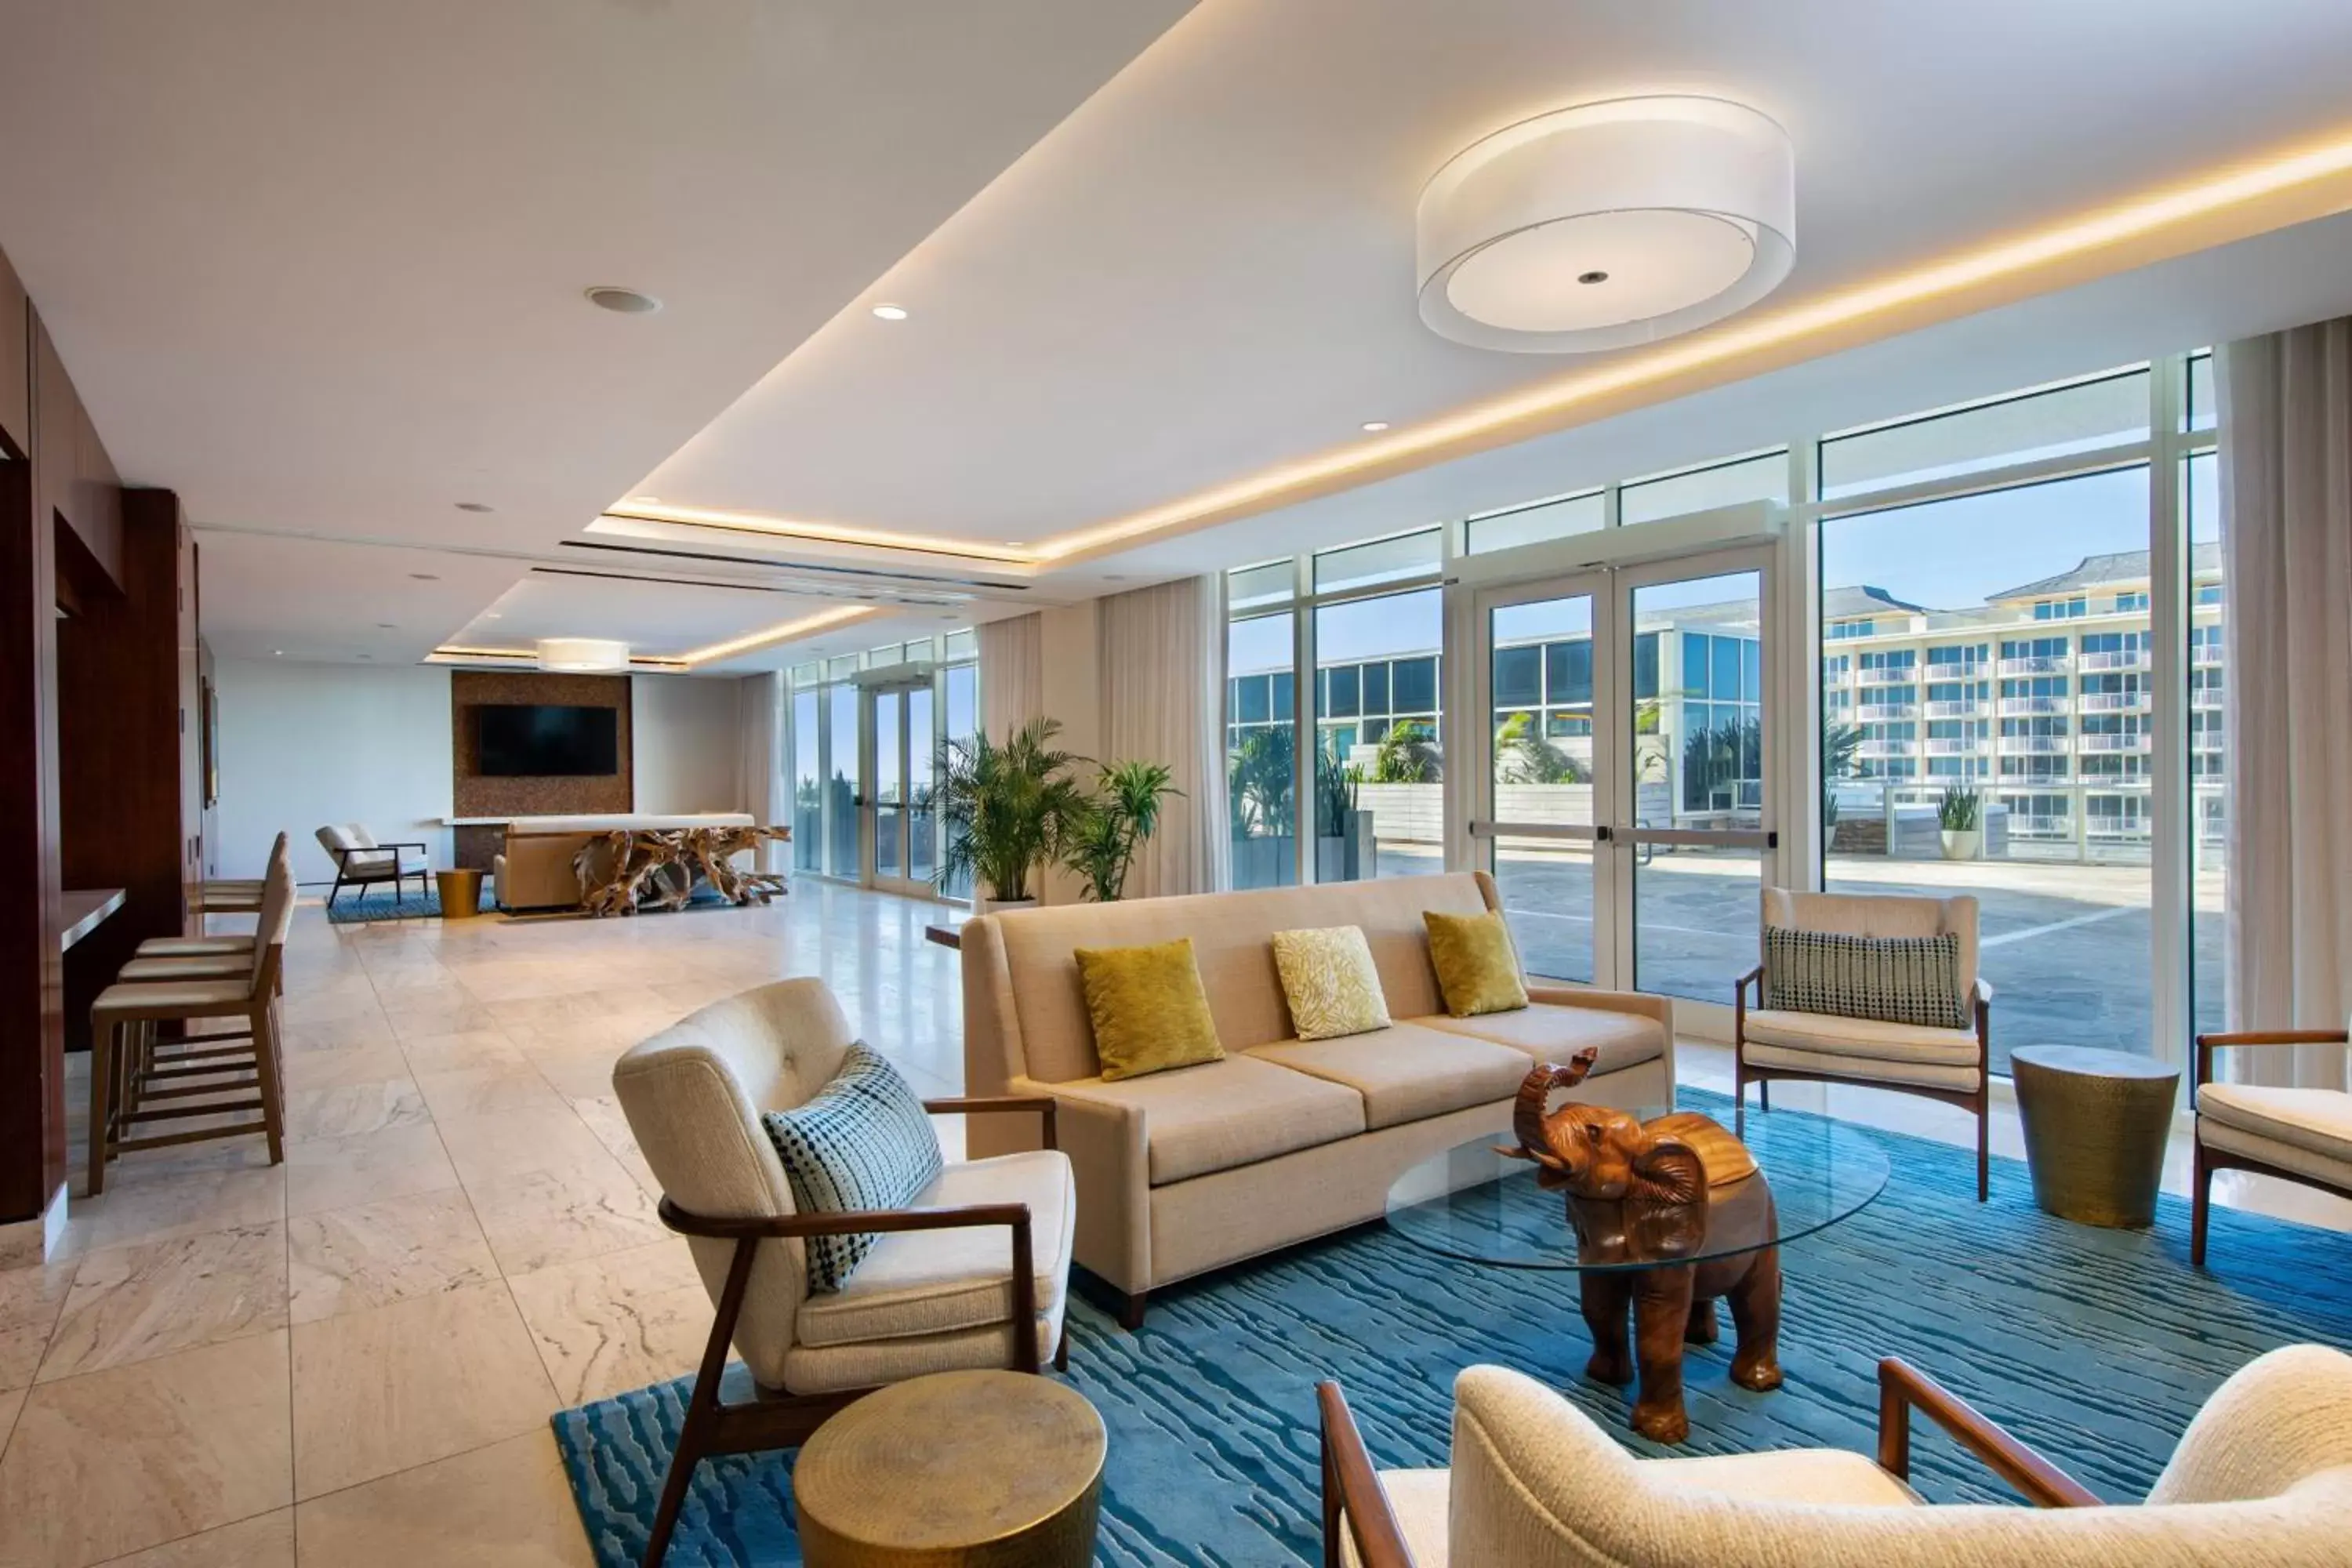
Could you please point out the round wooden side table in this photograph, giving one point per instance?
(461, 894)
(2095, 1125)
(973, 1469)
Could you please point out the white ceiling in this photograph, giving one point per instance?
(318, 267)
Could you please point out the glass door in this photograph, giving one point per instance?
(900, 719)
(1624, 805)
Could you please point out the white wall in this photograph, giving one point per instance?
(302, 745)
(686, 743)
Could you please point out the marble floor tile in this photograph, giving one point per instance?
(616, 1322)
(539, 1218)
(30, 1301)
(489, 1149)
(266, 1541)
(149, 1299)
(381, 1391)
(418, 1018)
(350, 1260)
(149, 1203)
(336, 1173)
(458, 1049)
(11, 1402)
(354, 1108)
(487, 1091)
(338, 1033)
(581, 1075)
(116, 1461)
(504, 1506)
(375, 1061)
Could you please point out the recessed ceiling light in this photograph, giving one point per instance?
(890, 313)
(386, 626)
(367, 655)
(278, 653)
(492, 615)
(1376, 425)
(1114, 577)
(1016, 544)
(473, 506)
(425, 576)
(625, 301)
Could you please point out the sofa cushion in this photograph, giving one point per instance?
(1221, 1114)
(2317, 1120)
(1862, 1070)
(1330, 982)
(1146, 1008)
(937, 1281)
(1407, 1073)
(1901, 979)
(1548, 1032)
(1827, 1034)
(1477, 966)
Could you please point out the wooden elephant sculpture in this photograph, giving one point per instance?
(1642, 1197)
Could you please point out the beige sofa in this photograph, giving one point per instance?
(1185, 1171)
(533, 870)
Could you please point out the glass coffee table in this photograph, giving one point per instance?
(1664, 1263)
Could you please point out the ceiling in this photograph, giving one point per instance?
(1141, 260)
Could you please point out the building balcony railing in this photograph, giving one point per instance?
(1886, 712)
(1896, 677)
(2205, 658)
(2011, 705)
(2207, 701)
(1944, 748)
(2039, 783)
(2039, 663)
(1886, 748)
(2126, 658)
(2205, 740)
(2034, 745)
(2117, 829)
(1976, 709)
(2117, 702)
(2022, 826)
(2141, 743)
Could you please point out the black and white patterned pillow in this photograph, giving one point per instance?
(862, 1142)
(1893, 979)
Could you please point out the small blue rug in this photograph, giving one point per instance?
(364, 906)
(2095, 1346)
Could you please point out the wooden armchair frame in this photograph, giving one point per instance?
(780, 1420)
(1352, 1490)
(2205, 1161)
(398, 874)
(1976, 1101)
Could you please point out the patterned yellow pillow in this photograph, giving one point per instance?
(1330, 981)
(1477, 967)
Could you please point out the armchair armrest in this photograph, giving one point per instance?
(1902, 1387)
(2229, 1039)
(1352, 1492)
(1983, 991)
(984, 1104)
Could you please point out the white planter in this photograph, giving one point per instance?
(1962, 844)
(980, 906)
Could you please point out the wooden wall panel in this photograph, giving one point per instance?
(16, 365)
(75, 480)
(119, 750)
(472, 795)
(32, 987)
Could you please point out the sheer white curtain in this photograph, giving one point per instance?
(1163, 700)
(2286, 521)
(759, 703)
(1011, 674)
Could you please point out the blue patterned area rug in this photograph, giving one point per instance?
(2095, 1346)
(365, 907)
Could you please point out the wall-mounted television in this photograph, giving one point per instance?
(541, 740)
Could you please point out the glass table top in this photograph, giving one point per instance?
(1475, 1203)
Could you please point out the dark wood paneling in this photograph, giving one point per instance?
(16, 365)
(75, 480)
(472, 795)
(32, 1032)
(121, 748)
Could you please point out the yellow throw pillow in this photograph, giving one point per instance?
(1330, 981)
(1477, 967)
(1149, 1010)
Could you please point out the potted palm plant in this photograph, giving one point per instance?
(1960, 815)
(1121, 813)
(1009, 808)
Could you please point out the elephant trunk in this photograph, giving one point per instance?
(1535, 1093)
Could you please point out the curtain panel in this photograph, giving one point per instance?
(759, 705)
(1163, 700)
(1011, 674)
(2286, 517)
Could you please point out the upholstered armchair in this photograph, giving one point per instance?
(2262, 1475)
(2299, 1134)
(974, 1273)
(361, 861)
(1950, 1065)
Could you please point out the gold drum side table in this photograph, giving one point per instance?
(461, 894)
(2095, 1125)
(958, 1469)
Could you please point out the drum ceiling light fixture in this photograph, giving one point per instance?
(1607, 226)
(583, 656)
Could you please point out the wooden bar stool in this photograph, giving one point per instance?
(236, 946)
(131, 1082)
(238, 895)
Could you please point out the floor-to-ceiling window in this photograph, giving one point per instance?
(937, 700)
(1379, 764)
(1262, 724)
(808, 772)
